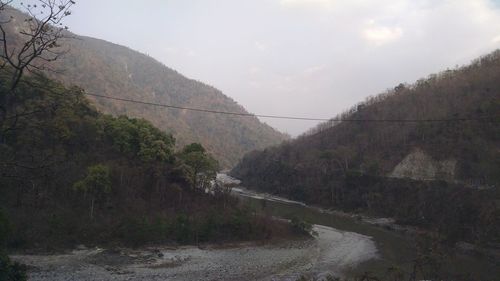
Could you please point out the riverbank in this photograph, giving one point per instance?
(396, 243)
(331, 252)
(382, 222)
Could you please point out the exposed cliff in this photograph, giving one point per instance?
(418, 165)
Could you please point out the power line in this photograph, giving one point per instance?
(292, 117)
(209, 110)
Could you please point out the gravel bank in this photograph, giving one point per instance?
(332, 251)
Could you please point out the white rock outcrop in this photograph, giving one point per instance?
(420, 166)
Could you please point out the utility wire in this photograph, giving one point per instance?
(293, 117)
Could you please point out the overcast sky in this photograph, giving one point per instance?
(310, 58)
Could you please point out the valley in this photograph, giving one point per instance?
(117, 164)
(343, 246)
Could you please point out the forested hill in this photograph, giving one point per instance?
(372, 166)
(71, 175)
(105, 68)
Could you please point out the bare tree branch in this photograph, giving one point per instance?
(41, 32)
(29, 44)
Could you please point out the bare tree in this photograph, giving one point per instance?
(28, 46)
(40, 34)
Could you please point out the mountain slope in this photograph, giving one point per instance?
(118, 71)
(468, 149)
(105, 68)
(69, 174)
(419, 172)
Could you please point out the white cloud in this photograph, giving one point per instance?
(260, 46)
(308, 3)
(380, 35)
(314, 70)
(255, 84)
(191, 53)
(254, 70)
(326, 54)
(171, 50)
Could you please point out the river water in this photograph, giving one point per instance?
(344, 246)
(392, 249)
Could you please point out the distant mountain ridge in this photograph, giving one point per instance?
(442, 175)
(465, 152)
(101, 67)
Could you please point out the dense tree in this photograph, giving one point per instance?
(30, 50)
(349, 165)
(104, 68)
(136, 188)
(9, 271)
(137, 137)
(52, 139)
(95, 185)
(40, 35)
(200, 166)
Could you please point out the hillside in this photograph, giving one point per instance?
(105, 68)
(72, 175)
(420, 172)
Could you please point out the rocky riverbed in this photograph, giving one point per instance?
(331, 252)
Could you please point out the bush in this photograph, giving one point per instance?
(302, 227)
(9, 271)
(182, 229)
(142, 230)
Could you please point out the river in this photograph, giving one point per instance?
(345, 246)
(386, 248)
(393, 249)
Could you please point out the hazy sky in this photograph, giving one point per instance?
(310, 58)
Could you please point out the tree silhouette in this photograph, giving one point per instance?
(28, 44)
(95, 185)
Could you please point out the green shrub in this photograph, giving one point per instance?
(182, 229)
(9, 271)
(301, 226)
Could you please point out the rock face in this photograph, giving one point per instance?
(420, 166)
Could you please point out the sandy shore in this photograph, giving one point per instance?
(332, 251)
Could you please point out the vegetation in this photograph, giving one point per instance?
(40, 35)
(201, 167)
(433, 261)
(95, 185)
(302, 227)
(9, 271)
(346, 165)
(72, 175)
(104, 68)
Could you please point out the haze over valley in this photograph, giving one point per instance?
(309, 58)
(249, 140)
